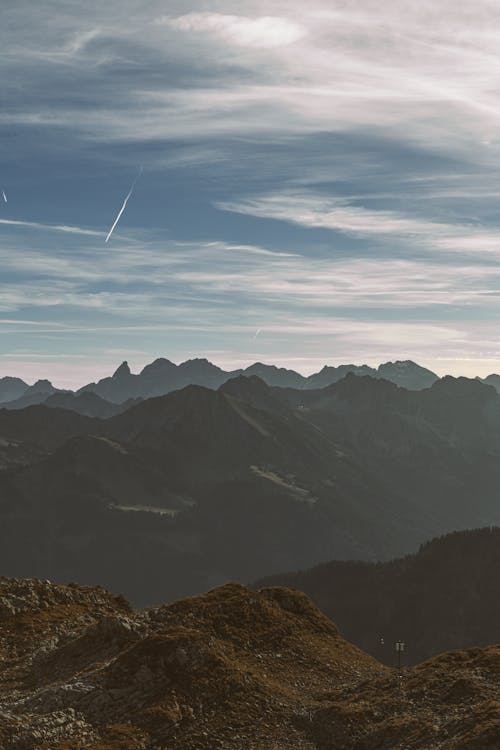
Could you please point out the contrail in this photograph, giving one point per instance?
(257, 332)
(4, 196)
(122, 209)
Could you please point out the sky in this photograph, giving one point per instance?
(316, 183)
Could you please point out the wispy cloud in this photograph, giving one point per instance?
(263, 31)
(52, 227)
(314, 210)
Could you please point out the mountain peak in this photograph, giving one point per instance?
(158, 365)
(122, 371)
(42, 386)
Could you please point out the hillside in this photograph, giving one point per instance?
(231, 669)
(197, 481)
(243, 482)
(447, 596)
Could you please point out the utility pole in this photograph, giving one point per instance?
(400, 647)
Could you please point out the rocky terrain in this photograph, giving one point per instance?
(232, 669)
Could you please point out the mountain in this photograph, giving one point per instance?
(163, 376)
(406, 374)
(197, 481)
(156, 379)
(34, 394)
(231, 669)
(446, 596)
(244, 481)
(493, 380)
(277, 376)
(88, 404)
(328, 375)
(437, 448)
(11, 388)
(43, 428)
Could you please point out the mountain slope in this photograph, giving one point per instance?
(244, 481)
(11, 388)
(232, 669)
(88, 404)
(249, 490)
(33, 395)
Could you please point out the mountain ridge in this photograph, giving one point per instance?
(163, 376)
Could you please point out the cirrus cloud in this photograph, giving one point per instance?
(263, 31)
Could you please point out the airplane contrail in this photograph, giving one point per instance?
(4, 196)
(257, 332)
(122, 209)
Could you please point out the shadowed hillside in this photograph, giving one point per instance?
(446, 596)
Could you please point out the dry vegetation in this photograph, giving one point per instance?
(230, 669)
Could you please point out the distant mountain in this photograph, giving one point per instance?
(157, 379)
(244, 481)
(163, 376)
(88, 404)
(329, 375)
(493, 380)
(34, 394)
(406, 374)
(236, 479)
(11, 388)
(277, 376)
(447, 596)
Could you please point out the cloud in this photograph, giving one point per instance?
(263, 31)
(52, 227)
(315, 210)
(332, 70)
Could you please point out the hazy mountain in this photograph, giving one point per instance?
(248, 491)
(88, 403)
(157, 379)
(277, 376)
(34, 394)
(406, 374)
(329, 375)
(493, 380)
(244, 481)
(163, 376)
(447, 596)
(11, 388)
(232, 669)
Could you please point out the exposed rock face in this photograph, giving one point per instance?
(232, 669)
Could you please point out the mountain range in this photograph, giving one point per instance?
(232, 669)
(162, 376)
(188, 490)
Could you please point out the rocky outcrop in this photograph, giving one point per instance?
(232, 669)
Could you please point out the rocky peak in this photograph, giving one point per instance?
(122, 372)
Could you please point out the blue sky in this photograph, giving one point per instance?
(326, 173)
